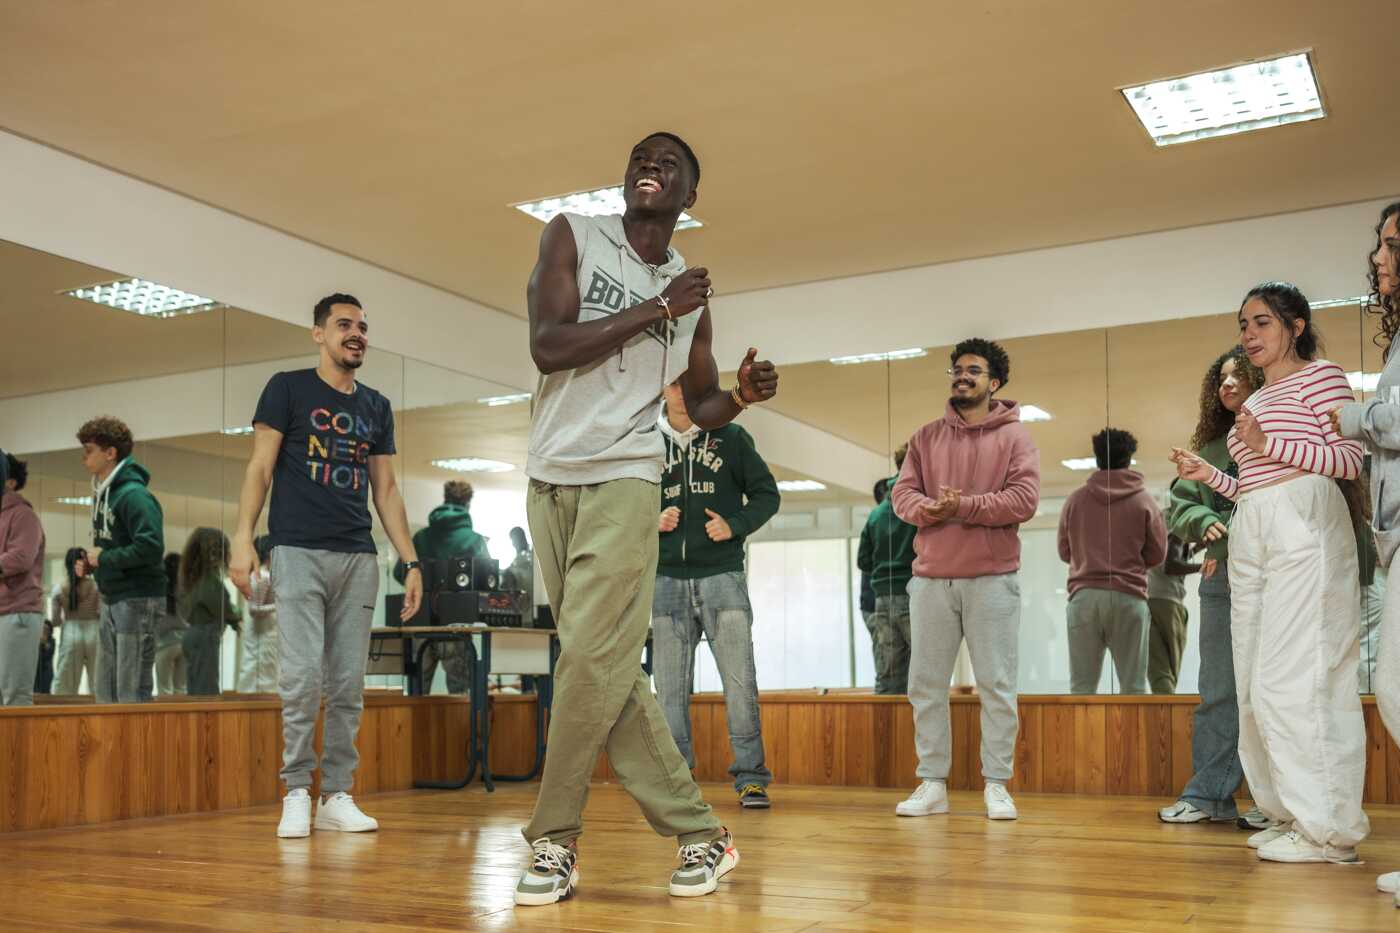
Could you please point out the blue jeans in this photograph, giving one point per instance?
(717, 607)
(1215, 738)
(126, 652)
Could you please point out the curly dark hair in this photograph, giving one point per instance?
(1216, 420)
(1387, 307)
(206, 552)
(997, 360)
(1289, 305)
(1114, 449)
(106, 431)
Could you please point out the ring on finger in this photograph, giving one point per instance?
(709, 293)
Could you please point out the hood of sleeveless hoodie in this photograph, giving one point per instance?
(611, 227)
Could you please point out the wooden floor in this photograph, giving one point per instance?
(821, 859)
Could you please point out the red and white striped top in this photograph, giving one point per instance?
(1293, 415)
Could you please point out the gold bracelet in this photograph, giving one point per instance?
(738, 398)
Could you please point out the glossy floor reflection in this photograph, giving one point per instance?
(821, 859)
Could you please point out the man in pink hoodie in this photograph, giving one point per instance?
(969, 481)
(21, 592)
(1111, 534)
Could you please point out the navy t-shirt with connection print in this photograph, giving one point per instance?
(320, 486)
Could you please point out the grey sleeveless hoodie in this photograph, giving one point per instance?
(598, 423)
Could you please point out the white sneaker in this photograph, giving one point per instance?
(551, 877)
(930, 798)
(1389, 882)
(1184, 812)
(702, 864)
(296, 815)
(1295, 847)
(1266, 836)
(1000, 806)
(338, 812)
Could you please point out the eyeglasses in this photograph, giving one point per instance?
(972, 372)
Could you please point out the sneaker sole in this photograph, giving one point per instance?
(553, 897)
(725, 866)
(294, 835)
(756, 805)
(1002, 816)
(934, 811)
(336, 826)
(1176, 821)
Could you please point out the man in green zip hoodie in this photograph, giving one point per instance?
(715, 491)
(449, 534)
(128, 561)
(887, 553)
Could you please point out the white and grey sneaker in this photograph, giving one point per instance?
(1184, 812)
(1294, 847)
(296, 815)
(1253, 820)
(930, 798)
(1388, 883)
(1266, 836)
(339, 813)
(702, 865)
(1000, 806)
(551, 877)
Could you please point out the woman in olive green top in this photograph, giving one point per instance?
(206, 605)
(1201, 516)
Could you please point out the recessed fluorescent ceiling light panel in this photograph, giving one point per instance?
(148, 299)
(1035, 413)
(800, 485)
(1366, 382)
(473, 465)
(496, 401)
(1083, 463)
(909, 354)
(1230, 100)
(74, 500)
(593, 203)
(238, 432)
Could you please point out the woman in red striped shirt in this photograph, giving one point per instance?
(1294, 591)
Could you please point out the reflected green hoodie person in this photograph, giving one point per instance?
(449, 532)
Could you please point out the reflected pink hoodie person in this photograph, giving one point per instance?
(996, 466)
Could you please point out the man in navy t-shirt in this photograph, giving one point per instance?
(323, 442)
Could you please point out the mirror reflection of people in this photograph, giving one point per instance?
(323, 442)
(258, 648)
(1294, 587)
(76, 611)
(615, 315)
(21, 588)
(716, 490)
(1201, 516)
(448, 535)
(867, 595)
(172, 667)
(207, 606)
(969, 481)
(43, 677)
(127, 560)
(1169, 617)
(520, 575)
(886, 552)
(1110, 533)
(1376, 423)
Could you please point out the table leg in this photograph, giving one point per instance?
(474, 754)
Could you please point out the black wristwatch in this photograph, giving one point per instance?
(413, 565)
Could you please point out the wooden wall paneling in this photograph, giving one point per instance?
(802, 759)
(776, 742)
(12, 743)
(860, 752)
(832, 744)
(1157, 722)
(1029, 773)
(1182, 727)
(1090, 772)
(959, 768)
(1058, 749)
(1120, 725)
(972, 748)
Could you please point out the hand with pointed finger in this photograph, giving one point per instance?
(758, 379)
(717, 528)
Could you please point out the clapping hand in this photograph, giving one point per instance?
(942, 508)
(1189, 466)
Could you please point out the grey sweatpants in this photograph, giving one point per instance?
(126, 653)
(987, 612)
(325, 606)
(1102, 620)
(19, 657)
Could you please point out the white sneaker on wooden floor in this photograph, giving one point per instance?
(296, 815)
(1000, 806)
(930, 798)
(339, 813)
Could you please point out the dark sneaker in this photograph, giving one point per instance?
(551, 877)
(1253, 820)
(754, 797)
(702, 865)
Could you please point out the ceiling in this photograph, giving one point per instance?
(836, 140)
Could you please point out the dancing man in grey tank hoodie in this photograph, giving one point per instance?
(615, 315)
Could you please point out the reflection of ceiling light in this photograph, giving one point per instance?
(910, 354)
(495, 401)
(148, 299)
(1230, 100)
(238, 432)
(1035, 413)
(593, 203)
(1366, 382)
(1083, 463)
(473, 465)
(800, 485)
(74, 500)
(1337, 303)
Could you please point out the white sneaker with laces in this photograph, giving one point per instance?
(1295, 847)
(1000, 806)
(551, 877)
(338, 812)
(296, 815)
(702, 864)
(1389, 882)
(1266, 836)
(930, 798)
(1184, 812)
